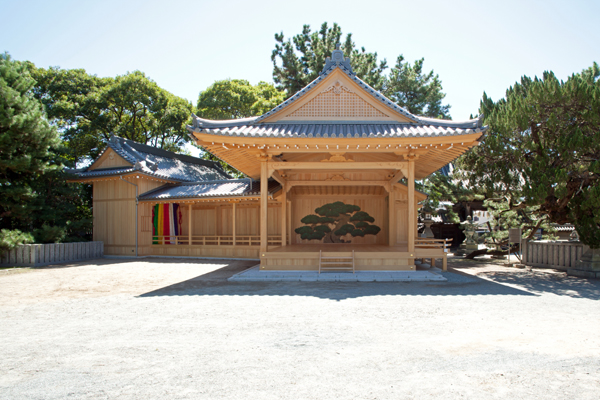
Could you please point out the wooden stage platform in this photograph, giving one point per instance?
(367, 257)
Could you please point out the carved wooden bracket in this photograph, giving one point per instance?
(337, 157)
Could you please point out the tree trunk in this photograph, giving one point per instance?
(343, 220)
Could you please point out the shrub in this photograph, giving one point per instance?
(11, 239)
(49, 234)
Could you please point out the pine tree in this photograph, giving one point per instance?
(298, 61)
(26, 139)
(543, 150)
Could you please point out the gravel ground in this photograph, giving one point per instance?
(172, 329)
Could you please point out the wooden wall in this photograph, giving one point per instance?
(401, 194)
(114, 215)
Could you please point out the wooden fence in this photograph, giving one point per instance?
(552, 254)
(34, 255)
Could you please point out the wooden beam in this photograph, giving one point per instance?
(337, 165)
(337, 183)
(289, 220)
(392, 218)
(190, 225)
(411, 206)
(283, 216)
(403, 172)
(264, 188)
(335, 144)
(277, 177)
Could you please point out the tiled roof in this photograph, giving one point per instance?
(222, 188)
(420, 126)
(157, 162)
(563, 227)
(344, 130)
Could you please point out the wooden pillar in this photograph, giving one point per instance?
(289, 220)
(392, 217)
(283, 216)
(190, 225)
(411, 205)
(233, 228)
(264, 188)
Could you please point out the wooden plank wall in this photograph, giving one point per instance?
(114, 215)
(402, 215)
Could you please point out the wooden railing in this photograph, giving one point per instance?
(427, 243)
(215, 240)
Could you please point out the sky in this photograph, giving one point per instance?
(474, 46)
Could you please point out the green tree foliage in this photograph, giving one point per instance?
(336, 220)
(33, 187)
(299, 60)
(444, 188)
(26, 139)
(543, 150)
(418, 92)
(237, 98)
(9, 239)
(88, 109)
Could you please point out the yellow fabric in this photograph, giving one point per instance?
(160, 230)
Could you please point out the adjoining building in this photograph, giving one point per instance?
(323, 173)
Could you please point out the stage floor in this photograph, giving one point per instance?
(337, 248)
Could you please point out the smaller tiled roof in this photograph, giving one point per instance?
(563, 227)
(156, 162)
(221, 188)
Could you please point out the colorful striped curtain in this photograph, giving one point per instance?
(166, 219)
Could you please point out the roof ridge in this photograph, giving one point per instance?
(144, 148)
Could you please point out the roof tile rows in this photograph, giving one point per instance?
(345, 130)
(157, 162)
(223, 188)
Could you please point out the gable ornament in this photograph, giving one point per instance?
(337, 157)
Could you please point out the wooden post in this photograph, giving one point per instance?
(411, 205)
(264, 188)
(190, 225)
(289, 220)
(233, 218)
(283, 216)
(392, 217)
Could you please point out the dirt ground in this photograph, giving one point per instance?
(175, 329)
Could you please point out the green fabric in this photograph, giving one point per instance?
(155, 224)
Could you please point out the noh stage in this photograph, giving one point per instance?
(349, 257)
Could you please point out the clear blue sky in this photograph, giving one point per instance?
(184, 46)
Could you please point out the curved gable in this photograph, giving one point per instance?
(337, 98)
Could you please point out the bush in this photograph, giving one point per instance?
(11, 239)
(49, 234)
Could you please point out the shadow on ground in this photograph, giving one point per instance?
(543, 282)
(215, 284)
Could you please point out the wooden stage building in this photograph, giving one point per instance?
(323, 187)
